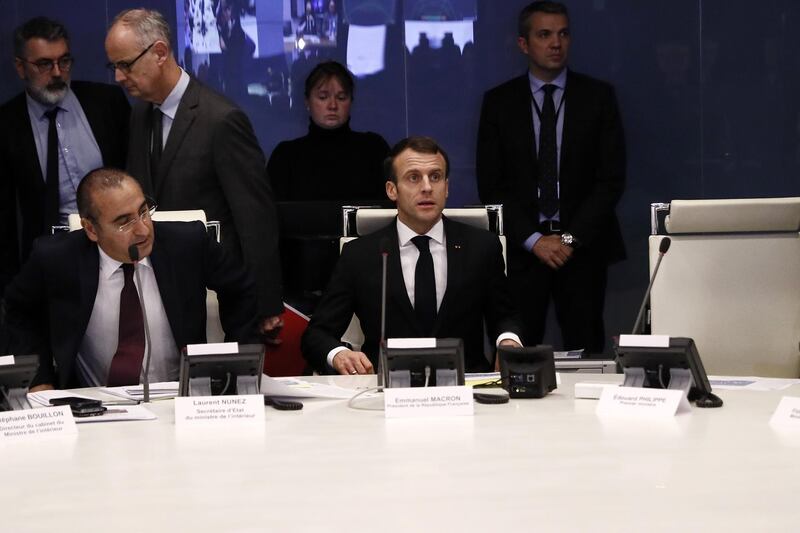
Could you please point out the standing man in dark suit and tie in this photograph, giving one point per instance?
(445, 279)
(76, 305)
(190, 148)
(51, 135)
(551, 150)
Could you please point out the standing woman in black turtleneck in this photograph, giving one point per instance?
(332, 162)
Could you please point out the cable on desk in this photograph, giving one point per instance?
(352, 405)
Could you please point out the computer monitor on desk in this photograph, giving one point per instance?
(16, 374)
(423, 363)
(216, 374)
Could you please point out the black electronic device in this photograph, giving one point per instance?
(677, 367)
(15, 379)
(281, 404)
(528, 372)
(436, 366)
(81, 407)
(222, 373)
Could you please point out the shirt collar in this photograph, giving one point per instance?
(537, 84)
(109, 266)
(38, 109)
(170, 104)
(405, 234)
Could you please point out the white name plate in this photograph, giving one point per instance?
(212, 348)
(37, 423)
(638, 401)
(191, 411)
(644, 341)
(6, 360)
(787, 414)
(415, 402)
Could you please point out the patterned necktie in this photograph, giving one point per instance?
(548, 154)
(424, 285)
(52, 199)
(126, 367)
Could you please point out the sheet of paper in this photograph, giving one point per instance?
(298, 388)
(569, 354)
(119, 414)
(753, 383)
(42, 398)
(158, 391)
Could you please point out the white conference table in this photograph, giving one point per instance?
(530, 465)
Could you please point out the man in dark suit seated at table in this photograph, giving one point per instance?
(444, 278)
(75, 301)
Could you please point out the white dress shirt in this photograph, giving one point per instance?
(409, 253)
(102, 334)
(169, 107)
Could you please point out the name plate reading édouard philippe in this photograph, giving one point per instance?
(642, 402)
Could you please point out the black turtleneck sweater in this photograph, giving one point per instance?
(330, 165)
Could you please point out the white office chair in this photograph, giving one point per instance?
(359, 221)
(214, 332)
(731, 281)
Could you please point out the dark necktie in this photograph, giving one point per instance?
(52, 199)
(158, 142)
(126, 366)
(548, 154)
(424, 285)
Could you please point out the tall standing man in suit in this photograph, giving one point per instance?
(51, 135)
(190, 148)
(75, 301)
(444, 278)
(551, 150)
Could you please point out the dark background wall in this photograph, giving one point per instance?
(708, 91)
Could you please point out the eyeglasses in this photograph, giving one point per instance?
(47, 65)
(146, 213)
(126, 66)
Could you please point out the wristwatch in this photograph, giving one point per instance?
(567, 239)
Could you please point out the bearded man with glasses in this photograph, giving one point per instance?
(51, 135)
(76, 301)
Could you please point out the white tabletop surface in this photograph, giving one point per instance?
(530, 465)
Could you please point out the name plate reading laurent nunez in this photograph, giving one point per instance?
(641, 402)
(37, 423)
(192, 411)
(787, 414)
(416, 402)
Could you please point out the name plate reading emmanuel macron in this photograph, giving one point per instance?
(192, 411)
(415, 402)
(787, 414)
(641, 402)
(37, 423)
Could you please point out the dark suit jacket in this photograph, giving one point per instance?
(476, 290)
(23, 186)
(212, 161)
(49, 304)
(592, 167)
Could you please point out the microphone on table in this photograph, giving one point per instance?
(662, 250)
(133, 253)
(384, 246)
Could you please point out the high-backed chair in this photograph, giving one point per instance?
(731, 281)
(214, 332)
(358, 221)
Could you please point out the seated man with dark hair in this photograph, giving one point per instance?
(76, 305)
(445, 279)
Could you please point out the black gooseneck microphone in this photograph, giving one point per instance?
(133, 253)
(662, 249)
(384, 245)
